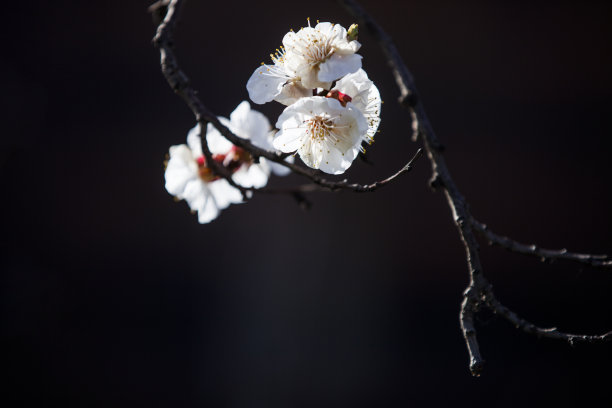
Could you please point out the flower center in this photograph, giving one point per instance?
(232, 161)
(320, 128)
(318, 49)
(315, 47)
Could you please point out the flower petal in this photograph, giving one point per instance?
(266, 83)
(254, 175)
(289, 140)
(335, 162)
(291, 92)
(194, 140)
(224, 194)
(365, 96)
(338, 66)
(181, 168)
(250, 124)
(217, 143)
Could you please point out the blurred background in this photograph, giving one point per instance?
(113, 295)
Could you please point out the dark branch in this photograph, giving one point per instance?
(459, 208)
(358, 188)
(597, 261)
(551, 333)
(158, 11)
(469, 307)
(479, 292)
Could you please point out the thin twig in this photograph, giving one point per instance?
(596, 261)
(551, 333)
(358, 188)
(216, 167)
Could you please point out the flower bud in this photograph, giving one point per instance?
(352, 32)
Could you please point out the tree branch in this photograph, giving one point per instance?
(479, 292)
(358, 188)
(551, 333)
(596, 261)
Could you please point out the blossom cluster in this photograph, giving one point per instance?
(189, 177)
(332, 109)
(332, 106)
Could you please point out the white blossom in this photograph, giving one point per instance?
(188, 178)
(325, 134)
(320, 55)
(365, 96)
(276, 82)
(250, 124)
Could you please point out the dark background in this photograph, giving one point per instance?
(113, 295)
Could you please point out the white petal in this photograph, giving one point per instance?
(311, 153)
(207, 209)
(194, 141)
(289, 40)
(181, 168)
(338, 66)
(327, 28)
(224, 194)
(255, 175)
(347, 47)
(361, 121)
(335, 162)
(353, 84)
(208, 212)
(208, 199)
(240, 114)
(292, 116)
(196, 194)
(250, 124)
(365, 96)
(291, 92)
(217, 144)
(289, 140)
(266, 83)
(310, 77)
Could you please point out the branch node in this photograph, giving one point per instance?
(302, 201)
(476, 367)
(158, 11)
(409, 99)
(436, 182)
